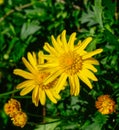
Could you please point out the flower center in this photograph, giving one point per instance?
(70, 62)
(39, 78)
(50, 85)
(107, 103)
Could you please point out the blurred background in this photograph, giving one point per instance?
(25, 25)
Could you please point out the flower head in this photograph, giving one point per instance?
(1, 2)
(12, 107)
(105, 104)
(19, 119)
(68, 61)
(34, 80)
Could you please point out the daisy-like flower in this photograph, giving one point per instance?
(19, 119)
(68, 61)
(12, 107)
(34, 80)
(1, 2)
(105, 104)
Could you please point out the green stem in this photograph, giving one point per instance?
(44, 114)
(27, 97)
(16, 9)
(7, 93)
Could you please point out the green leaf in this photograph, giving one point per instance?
(98, 9)
(49, 126)
(29, 29)
(93, 126)
(88, 17)
(109, 10)
(94, 16)
(111, 39)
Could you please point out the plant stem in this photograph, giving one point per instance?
(44, 114)
(7, 93)
(13, 10)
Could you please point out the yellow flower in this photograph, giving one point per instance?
(19, 119)
(1, 2)
(105, 104)
(34, 80)
(12, 107)
(69, 61)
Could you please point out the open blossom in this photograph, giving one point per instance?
(34, 80)
(65, 60)
(1, 2)
(105, 104)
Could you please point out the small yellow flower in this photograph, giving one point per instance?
(19, 119)
(105, 104)
(68, 61)
(12, 107)
(34, 80)
(1, 2)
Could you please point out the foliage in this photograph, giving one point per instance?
(26, 24)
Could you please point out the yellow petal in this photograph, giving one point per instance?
(50, 49)
(90, 54)
(77, 46)
(45, 56)
(50, 96)
(84, 44)
(35, 92)
(92, 61)
(32, 59)
(52, 77)
(71, 41)
(77, 84)
(72, 85)
(56, 95)
(23, 73)
(63, 37)
(40, 57)
(29, 67)
(89, 74)
(56, 45)
(26, 90)
(42, 96)
(47, 65)
(35, 97)
(24, 84)
(90, 67)
(34, 56)
(84, 79)
(64, 41)
(61, 82)
(59, 41)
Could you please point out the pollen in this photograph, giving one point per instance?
(50, 85)
(39, 77)
(70, 62)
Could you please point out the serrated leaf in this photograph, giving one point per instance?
(93, 16)
(111, 38)
(93, 126)
(49, 126)
(98, 8)
(29, 29)
(88, 17)
(74, 100)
